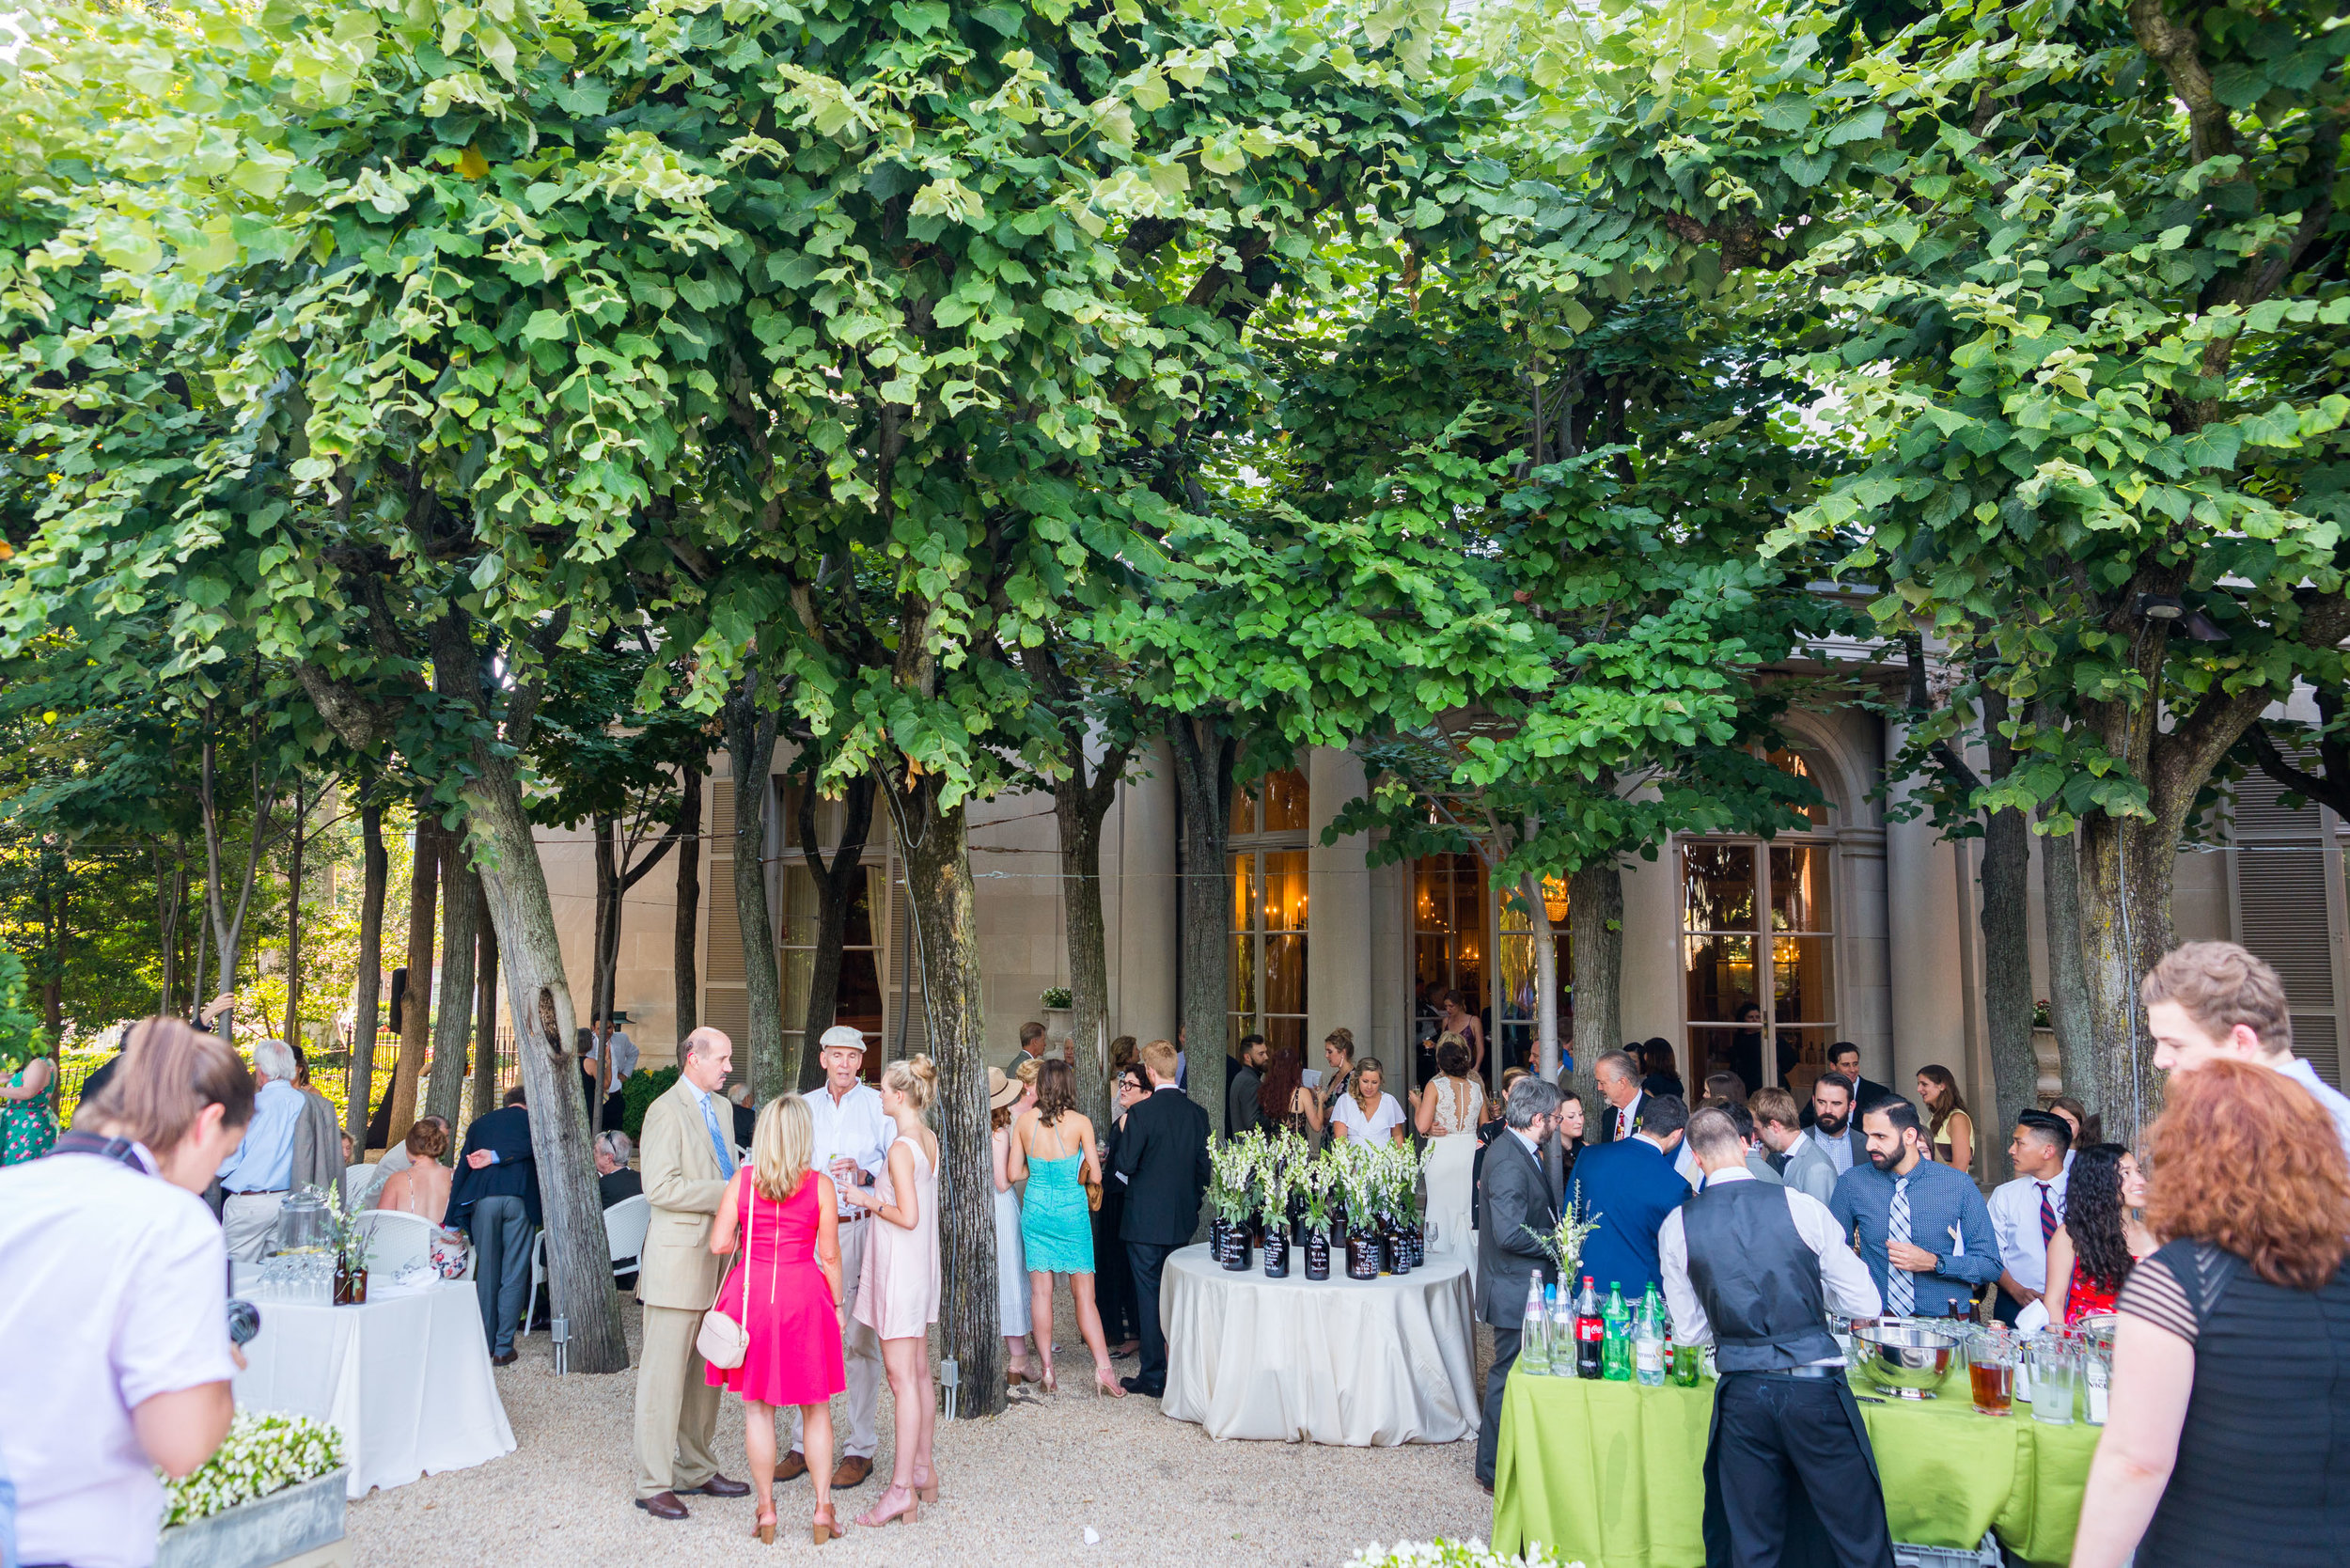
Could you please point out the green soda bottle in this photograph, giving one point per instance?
(1615, 1356)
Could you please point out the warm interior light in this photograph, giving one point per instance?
(1555, 900)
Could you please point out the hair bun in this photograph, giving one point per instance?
(922, 1067)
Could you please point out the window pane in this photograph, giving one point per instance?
(791, 794)
(1518, 999)
(1244, 892)
(1802, 1058)
(1243, 975)
(1710, 1051)
(1799, 888)
(1285, 1034)
(1243, 818)
(1787, 761)
(1721, 978)
(859, 1003)
(795, 923)
(859, 933)
(1285, 889)
(1239, 1025)
(1285, 805)
(799, 968)
(1719, 884)
(1801, 979)
(1285, 973)
(1431, 896)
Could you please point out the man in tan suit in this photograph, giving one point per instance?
(688, 1158)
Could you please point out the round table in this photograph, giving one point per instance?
(406, 1378)
(1359, 1363)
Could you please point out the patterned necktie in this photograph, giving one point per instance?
(1900, 1286)
(725, 1155)
(2047, 1216)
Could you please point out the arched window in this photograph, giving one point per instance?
(1269, 824)
(1759, 950)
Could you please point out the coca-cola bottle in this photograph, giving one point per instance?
(1590, 1333)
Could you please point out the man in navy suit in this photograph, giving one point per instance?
(1631, 1185)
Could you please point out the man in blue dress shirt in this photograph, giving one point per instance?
(1925, 1230)
(1631, 1185)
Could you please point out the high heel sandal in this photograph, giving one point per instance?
(765, 1528)
(1050, 1387)
(882, 1513)
(1106, 1381)
(822, 1527)
(926, 1487)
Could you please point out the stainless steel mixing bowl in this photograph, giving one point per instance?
(1905, 1356)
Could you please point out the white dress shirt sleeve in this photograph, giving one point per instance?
(1680, 1297)
(1844, 1279)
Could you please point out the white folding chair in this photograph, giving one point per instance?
(360, 1185)
(624, 1227)
(395, 1240)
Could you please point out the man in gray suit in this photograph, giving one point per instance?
(1800, 1163)
(1514, 1200)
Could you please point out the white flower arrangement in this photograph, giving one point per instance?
(1564, 1240)
(1453, 1554)
(263, 1453)
(1232, 1168)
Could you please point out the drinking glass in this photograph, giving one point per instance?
(1688, 1361)
(1435, 1240)
(1991, 1371)
(2097, 1380)
(2054, 1371)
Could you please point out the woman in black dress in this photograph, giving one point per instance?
(2228, 1437)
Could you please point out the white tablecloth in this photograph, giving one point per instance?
(1366, 1364)
(406, 1378)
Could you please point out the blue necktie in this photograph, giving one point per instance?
(1900, 1286)
(725, 1155)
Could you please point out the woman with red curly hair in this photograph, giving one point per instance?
(2228, 1435)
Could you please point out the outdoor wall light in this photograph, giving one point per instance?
(2170, 608)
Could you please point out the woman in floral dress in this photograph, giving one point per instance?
(28, 1118)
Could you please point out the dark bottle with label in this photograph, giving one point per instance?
(1590, 1333)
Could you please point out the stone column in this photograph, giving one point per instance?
(1140, 900)
(1925, 948)
(1339, 968)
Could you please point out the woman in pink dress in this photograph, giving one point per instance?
(896, 1295)
(786, 1291)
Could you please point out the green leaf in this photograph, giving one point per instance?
(546, 326)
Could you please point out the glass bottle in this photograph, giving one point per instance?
(1589, 1332)
(1534, 1336)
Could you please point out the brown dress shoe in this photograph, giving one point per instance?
(663, 1505)
(792, 1466)
(719, 1486)
(853, 1471)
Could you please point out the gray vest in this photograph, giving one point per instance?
(1758, 1282)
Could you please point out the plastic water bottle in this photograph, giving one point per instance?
(1534, 1341)
(1648, 1342)
(1562, 1331)
(1616, 1351)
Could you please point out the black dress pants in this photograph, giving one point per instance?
(1787, 1477)
(1113, 1277)
(1506, 1342)
(1147, 1259)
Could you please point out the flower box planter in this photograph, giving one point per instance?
(287, 1524)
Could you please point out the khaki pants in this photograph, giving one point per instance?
(248, 1221)
(860, 1355)
(677, 1409)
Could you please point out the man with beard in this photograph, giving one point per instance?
(1925, 1232)
(1833, 1129)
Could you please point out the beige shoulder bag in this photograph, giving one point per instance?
(722, 1340)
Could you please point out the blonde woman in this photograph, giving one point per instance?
(897, 1297)
(786, 1294)
(1368, 1112)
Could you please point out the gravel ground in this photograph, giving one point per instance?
(1020, 1489)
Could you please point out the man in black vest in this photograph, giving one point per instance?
(1162, 1160)
(1753, 1269)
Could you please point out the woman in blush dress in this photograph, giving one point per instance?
(896, 1295)
(1006, 1099)
(786, 1294)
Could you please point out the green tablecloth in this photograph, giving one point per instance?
(1613, 1474)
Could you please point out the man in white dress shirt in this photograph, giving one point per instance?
(256, 1177)
(852, 1142)
(1751, 1269)
(2213, 999)
(2026, 1212)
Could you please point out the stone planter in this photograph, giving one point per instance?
(297, 1521)
(1058, 1024)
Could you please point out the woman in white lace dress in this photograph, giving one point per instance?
(1447, 1116)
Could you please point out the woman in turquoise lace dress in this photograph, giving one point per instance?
(1053, 1146)
(28, 1119)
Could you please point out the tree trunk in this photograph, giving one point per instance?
(1203, 777)
(228, 930)
(2006, 952)
(838, 882)
(1595, 922)
(1079, 809)
(485, 1060)
(946, 919)
(377, 873)
(58, 876)
(683, 959)
(601, 981)
(171, 898)
(1545, 976)
(293, 916)
(2068, 979)
(453, 998)
(415, 1007)
(515, 889)
(2126, 870)
(751, 744)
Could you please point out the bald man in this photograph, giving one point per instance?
(688, 1159)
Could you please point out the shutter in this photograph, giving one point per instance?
(902, 1008)
(2283, 913)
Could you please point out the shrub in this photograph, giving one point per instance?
(261, 1454)
(638, 1094)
